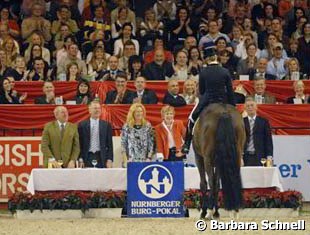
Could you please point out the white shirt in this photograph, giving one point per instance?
(171, 142)
(59, 124)
(119, 47)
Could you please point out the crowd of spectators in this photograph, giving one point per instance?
(102, 40)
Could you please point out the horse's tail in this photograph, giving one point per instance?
(226, 161)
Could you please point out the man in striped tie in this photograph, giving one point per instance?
(258, 136)
(96, 138)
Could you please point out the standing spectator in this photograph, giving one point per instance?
(181, 27)
(169, 135)
(300, 96)
(120, 95)
(49, 94)
(36, 22)
(172, 97)
(60, 139)
(143, 95)
(137, 137)
(96, 138)
(83, 93)
(6, 93)
(260, 95)
(258, 136)
(304, 49)
(159, 69)
(190, 91)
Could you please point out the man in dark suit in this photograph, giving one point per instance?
(111, 74)
(96, 138)
(120, 95)
(261, 71)
(258, 136)
(172, 97)
(143, 95)
(49, 94)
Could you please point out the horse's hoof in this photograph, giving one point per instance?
(203, 214)
(209, 215)
(216, 215)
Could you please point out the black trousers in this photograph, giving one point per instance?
(251, 159)
(93, 156)
(172, 157)
(197, 110)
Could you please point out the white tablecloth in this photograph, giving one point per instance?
(94, 179)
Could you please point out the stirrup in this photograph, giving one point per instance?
(185, 148)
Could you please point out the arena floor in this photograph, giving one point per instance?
(12, 226)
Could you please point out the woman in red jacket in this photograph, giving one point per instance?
(169, 135)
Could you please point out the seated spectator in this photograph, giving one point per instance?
(72, 56)
(149, 29)
(59, 39)
(270, 11)
(83, 93)
(143, 95)
(63, 53)
(300, 96)
(10, 49)
(37, 39)
(64, 18)
(159, 69)
(14, 29)
(277, 29)
(207, 15)
(221, 45)
(130, 15)
(38, 72)
(14, 92)
(90, 11)
(172, 97)
(7, 95)
(213, 34)
(3, 66)
(247, 28)
(35, 22)
(18, 71)
(181, 69)
(240, 94)
(120, 95)
(189, 42)
(158, 44)
(165, 10)
(98, 63)
(181, 27)
(246, 66)
(229, 61)
(241, 51)
(36, 51)
(261, 70)
(97, 43)
(73, 73)
(49, 94)
(169, 135)
(129, 50)
(276, 66)
(137, 138)
(122, 19)
(195, 62)
(293, 51)
(124, 37)
(268, 51)
(135, 66)
(299, 26)
(190, 91)
(5, 33)
(260, 95)
(73, 6)
(111, 73)
(237, 36)
(293, 70)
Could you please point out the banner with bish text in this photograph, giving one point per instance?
(155, 189)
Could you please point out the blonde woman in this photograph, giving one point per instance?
(3, 66)
(293, 70)
(169, 135)
(10, 49)
(98, 62)
(190, 91)
(137, 137)
(300, 97)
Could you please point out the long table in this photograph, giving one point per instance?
(95, 179)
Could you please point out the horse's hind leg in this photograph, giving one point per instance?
(216, 184)
(203, 185)
(212, 202)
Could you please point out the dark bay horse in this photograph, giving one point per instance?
(218, 141)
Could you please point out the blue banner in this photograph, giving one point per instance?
(155, 189)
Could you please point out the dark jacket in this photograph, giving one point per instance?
(175, 101)
(42, 100)
(148, 97)
(290, 100)
(111, 96)
(215, 85)
(105, 137)
(262, 137)
(153, 71)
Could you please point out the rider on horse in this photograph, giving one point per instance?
(215, 86)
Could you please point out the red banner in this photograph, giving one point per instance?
(18, 156)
